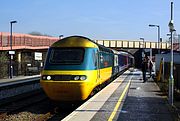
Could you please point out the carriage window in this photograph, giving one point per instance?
(67, 55)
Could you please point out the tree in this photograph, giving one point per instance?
(38, 34)
(4, 64)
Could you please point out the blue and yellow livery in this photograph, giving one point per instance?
(75, 66)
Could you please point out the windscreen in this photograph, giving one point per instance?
(67, 56)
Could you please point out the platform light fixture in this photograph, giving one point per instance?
(61, 36)
(11, 52)
(153, 25)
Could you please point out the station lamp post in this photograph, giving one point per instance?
(171, 79)
(142, 40)
(11, 52)
(152, 25)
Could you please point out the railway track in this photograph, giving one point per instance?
(19, 103)
(35, 106)
(27, 105)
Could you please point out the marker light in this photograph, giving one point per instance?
(76, 78)
(44, 77)
(83, 78)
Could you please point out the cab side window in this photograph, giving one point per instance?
(95, 57)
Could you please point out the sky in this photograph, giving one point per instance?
(95, 19)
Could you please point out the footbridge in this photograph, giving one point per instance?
(133, 44)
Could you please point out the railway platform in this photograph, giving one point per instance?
(17, 79)
(126, 99)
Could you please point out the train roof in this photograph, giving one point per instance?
(116, 52)
(75, 41)
(126, 53)
(79, 41)
(123, 53)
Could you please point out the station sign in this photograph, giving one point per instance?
(11, 52)
(38, 56)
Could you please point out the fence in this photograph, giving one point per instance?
(165, 78)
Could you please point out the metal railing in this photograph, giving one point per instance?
(21, 41)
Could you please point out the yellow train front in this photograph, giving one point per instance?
(74, 67)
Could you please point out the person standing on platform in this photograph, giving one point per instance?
(144, 69)
(150, 68)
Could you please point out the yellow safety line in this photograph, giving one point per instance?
(119, 102)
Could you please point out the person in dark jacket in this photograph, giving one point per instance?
(150, 68)
(144, 68)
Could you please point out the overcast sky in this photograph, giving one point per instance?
(95, 19)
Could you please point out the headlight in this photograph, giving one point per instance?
(83, 78)
(76, 78)
(48, 77)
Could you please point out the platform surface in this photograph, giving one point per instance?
(125, 99)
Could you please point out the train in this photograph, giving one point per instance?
(76, 65)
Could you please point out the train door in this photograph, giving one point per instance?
(115, 65)
(97, 64)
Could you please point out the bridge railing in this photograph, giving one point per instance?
(133, 44)
(20, 41)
